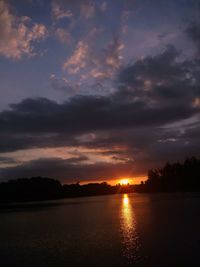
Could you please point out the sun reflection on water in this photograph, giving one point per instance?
(125, 200)
(128, 228)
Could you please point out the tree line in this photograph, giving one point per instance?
(173, 177)
(42, 188)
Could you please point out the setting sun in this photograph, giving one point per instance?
(124, 181)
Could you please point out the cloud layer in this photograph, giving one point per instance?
(133, 123)
(119, 117)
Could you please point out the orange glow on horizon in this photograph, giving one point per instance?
(124, 181)
(131, 180)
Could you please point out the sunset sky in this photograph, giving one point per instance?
(98, 90)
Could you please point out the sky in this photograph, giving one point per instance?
(98, 90)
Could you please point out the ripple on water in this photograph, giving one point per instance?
(130, 237)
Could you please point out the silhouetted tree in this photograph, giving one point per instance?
(39, 188)
(173, 177)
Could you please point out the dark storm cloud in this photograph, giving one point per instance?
(149, 147)
(63, 169)
(162, 79)
(12, 142)
(193, 32)
(7, 160)
(40, 122)
(140, 151)
(159, 67)
(192, 133)
(85, 113)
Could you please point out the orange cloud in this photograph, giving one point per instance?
(17, 36)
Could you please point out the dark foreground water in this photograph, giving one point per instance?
(115, 230)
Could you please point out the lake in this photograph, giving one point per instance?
(113, 230)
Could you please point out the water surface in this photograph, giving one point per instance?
(114, 230)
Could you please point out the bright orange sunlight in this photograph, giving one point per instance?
(124, 181)
(125, 200)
